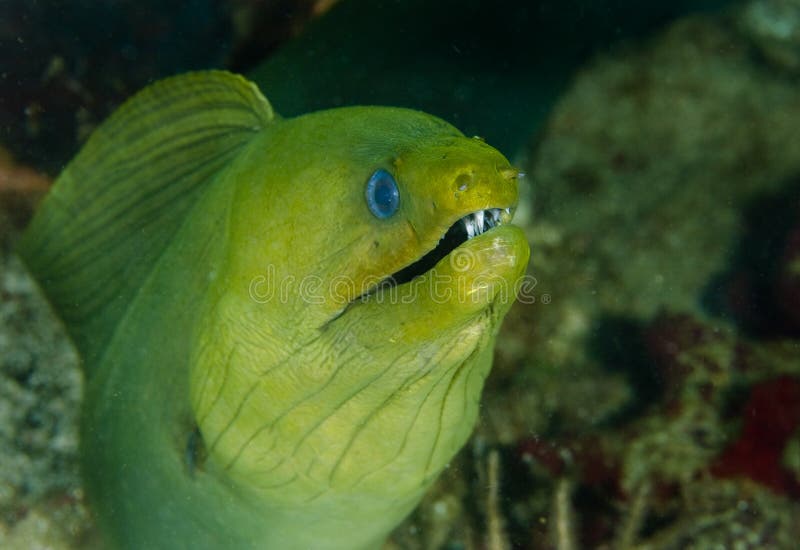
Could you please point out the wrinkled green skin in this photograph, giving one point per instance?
(321, 423)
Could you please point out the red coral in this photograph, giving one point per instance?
(548, 455)
(771, 416)
(667, 338)
(587, 456)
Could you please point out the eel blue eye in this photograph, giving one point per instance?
(383, 197)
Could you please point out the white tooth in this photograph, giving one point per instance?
(479, 221)
(495, 214)
(470, 228)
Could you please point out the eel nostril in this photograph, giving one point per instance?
(463, 181)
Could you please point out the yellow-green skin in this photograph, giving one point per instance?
(229, 307)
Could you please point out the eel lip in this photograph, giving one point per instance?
(464, 229)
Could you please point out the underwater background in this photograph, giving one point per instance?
(648, 396)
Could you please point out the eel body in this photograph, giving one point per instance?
(285, 324)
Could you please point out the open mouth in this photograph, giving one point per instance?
(460, 232)
(464, 229)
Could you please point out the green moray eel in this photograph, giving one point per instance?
(285, 324)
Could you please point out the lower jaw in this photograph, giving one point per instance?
(483, 271)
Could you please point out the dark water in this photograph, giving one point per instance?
(459, 60)
(492, 68)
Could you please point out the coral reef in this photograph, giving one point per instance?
(774, 28)
(67, 65)
(40, 389)
(658, 365)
